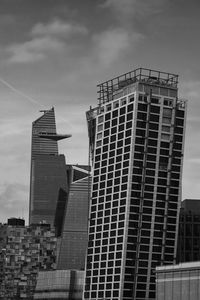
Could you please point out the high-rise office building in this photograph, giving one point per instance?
(136, 138)
(48, 183)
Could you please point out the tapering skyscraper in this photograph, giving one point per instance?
(136, 140)
(48, 181)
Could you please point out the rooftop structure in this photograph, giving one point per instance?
(108, 89)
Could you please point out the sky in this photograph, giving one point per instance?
(54, 53)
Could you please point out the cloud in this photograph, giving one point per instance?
(112, 44)
(13, 199)
(34, 50)
(58, 28)
(45, 39)
(128, 8)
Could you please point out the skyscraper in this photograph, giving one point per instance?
(48, 181)
(73, 244)
(136, 138)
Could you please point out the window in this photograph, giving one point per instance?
(100, 127)
(100, 119)
(130, 107)
(154, 118)
(142, 107)
(167, 112)
(131, 98)
(155, 100)
(155, 109)
(165, 128)
(108, 107)
(165, 137)
(99, 135)
(107, 116)
(168, 102)
(98, 144)
(121, 119)
(123, 101)
(116, 104)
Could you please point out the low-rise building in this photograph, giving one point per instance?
(178, 282)
(25, 251)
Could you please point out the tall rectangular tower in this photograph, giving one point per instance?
(48, 179)
(136, 138)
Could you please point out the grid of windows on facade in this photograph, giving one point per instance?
(135, 191)
(161, 166)
(109, 196)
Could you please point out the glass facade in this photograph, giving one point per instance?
(189, 231)
(73, 243)
(59, 285)
(136, 137)
(48, 183)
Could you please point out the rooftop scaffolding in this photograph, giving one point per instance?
(148, 76)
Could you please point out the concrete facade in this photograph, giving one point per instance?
(137, 142)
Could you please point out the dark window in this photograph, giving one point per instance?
(114, 122)
(105, 141)
(153, 134)
(142, 107)
(122, 110)
(141, 124)
(107, 116)
(155, 109)
(128, 125)
(153, 126)
(141, 116)
(121, 127)
(152, 142)
(154, 118)
(113, 130)
(115, 113)
(121, 119)
(130, 107)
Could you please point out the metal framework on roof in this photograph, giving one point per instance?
(152, 77)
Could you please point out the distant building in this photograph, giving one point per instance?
(60, 285)
(25, 251)
(178, 282)
(16, 222)
(48, 184)
(136, 136)
(74, 238)
(189, 231)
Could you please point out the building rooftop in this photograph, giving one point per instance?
(149, 76)
(181, 266)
